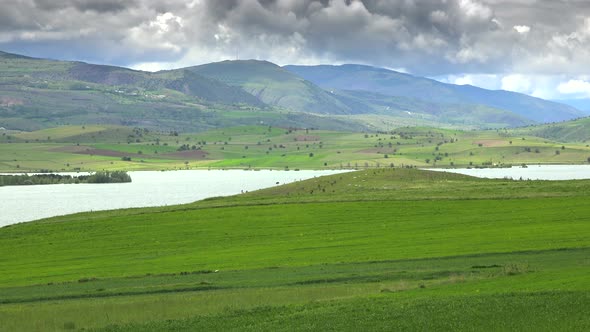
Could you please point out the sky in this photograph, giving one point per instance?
(538, 47)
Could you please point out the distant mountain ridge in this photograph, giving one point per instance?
(392, 83)
(39, 93)
(273, 85)
(581, 104)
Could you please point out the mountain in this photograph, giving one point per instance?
(581, 104)
(432, 113)
(569, 131)
(274, 86)
(40, 93)
(392, 83)
(31, 70)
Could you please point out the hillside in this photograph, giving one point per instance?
(41, 93)
(403, 108)
(581, 104)
(570, 131)
(274, 86)
(41, 73)
(186, 82)
(358, 251)
(388, 82)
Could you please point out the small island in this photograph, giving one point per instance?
(36, 179)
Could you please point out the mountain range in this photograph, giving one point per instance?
(391, 83)
(39, 93)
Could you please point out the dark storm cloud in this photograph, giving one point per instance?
(426, 37)
(101, 6)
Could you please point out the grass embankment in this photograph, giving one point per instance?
(381, 249)
(120, 148)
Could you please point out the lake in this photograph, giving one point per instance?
(26, 203)
(531, 172)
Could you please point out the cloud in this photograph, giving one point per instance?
(466, 39)
(486, 81)
(575, 88)
(542, 86)
(101, 6)
(522, 29)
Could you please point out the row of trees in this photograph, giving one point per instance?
(106, 177)
(98, 177)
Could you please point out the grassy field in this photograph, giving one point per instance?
(93, 148)
(379, 249)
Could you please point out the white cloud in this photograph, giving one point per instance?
(475, 9)
(486, 81)
(576, 87)
(153, 66)
(165, 32)
(516, 83)
(542, 86)
(522, 29)
(464, 80)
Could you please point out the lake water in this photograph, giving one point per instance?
(26, 203)
(531, 172)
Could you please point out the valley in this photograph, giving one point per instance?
(98, 148)
(381, 243)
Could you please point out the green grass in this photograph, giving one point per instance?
(385, 313)
(575, 130)
(73, 148)
(381, 249)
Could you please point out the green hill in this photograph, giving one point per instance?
(375, 250)
(274, 86)
(41, 93)
(570, 131)
(388, 82)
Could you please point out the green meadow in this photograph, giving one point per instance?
(96, 148)
(377, 249)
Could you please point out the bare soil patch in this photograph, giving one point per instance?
(103, 152)
(9, 101)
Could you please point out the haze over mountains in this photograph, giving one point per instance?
(388, 82)
(38, 93)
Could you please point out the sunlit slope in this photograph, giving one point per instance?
(274, 85)
(408, 249)
(251, 234)
(92, 147)
(570, 131)
(40, 93)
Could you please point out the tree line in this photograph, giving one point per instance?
(35, 179)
